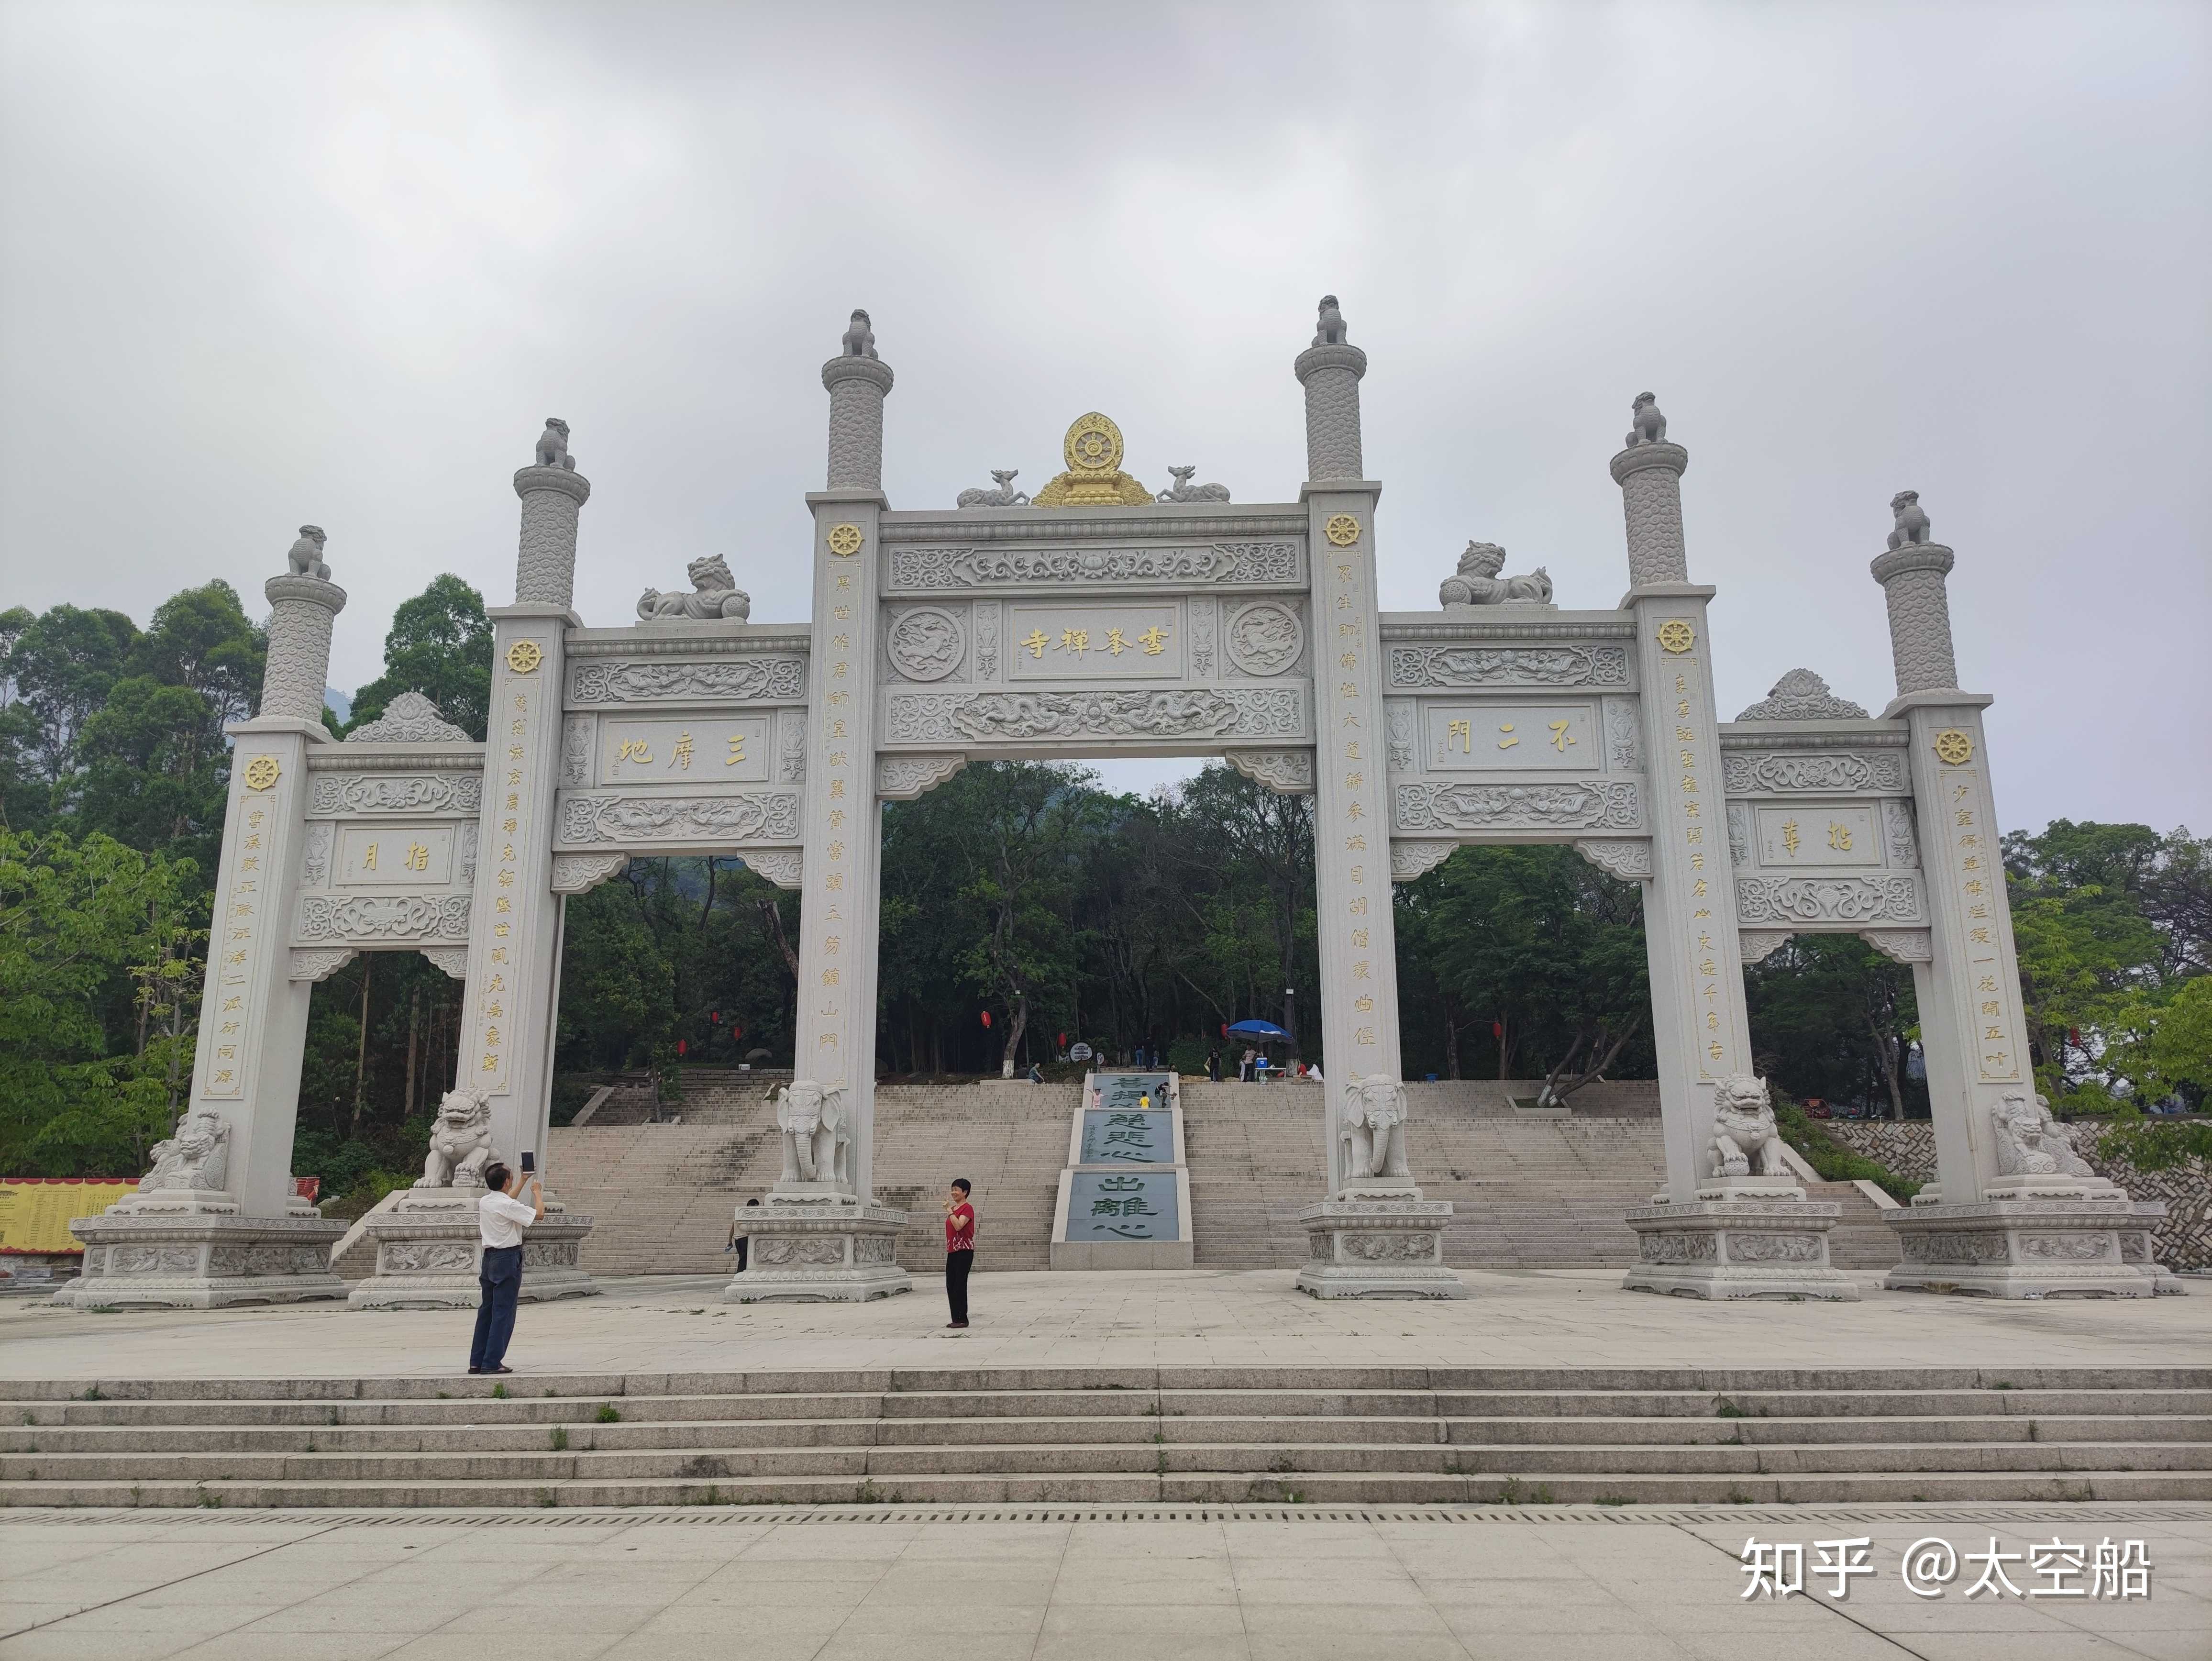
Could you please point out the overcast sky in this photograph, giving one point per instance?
(266, 265)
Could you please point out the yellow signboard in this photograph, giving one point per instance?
(35, 1211)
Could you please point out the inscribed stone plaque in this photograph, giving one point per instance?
(1122, 1206)
(409, 856)
(1123, 1089)
(1095, 643)
(694, 753)
(1472, 736)
(1128, 1136)
(1819, 835)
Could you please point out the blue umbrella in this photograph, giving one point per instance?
(1259, 1029)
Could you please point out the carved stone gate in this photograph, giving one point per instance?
(1102, 619)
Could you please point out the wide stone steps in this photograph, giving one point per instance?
(1379, 1435)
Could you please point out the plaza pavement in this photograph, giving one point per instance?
(1198, 1317)
(1062, 1584)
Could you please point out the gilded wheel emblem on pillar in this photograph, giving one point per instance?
(1341, 529)
(262, 772)
(1676, 636)
(523, 656)
(844, 540)
(1953, 746)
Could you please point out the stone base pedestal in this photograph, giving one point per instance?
(429, 1245)
(817, 1248)
(191, 1249)
(1379, 1248)
(2020, 1243)
(1740, 1237)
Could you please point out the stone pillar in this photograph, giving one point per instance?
(553, 493)
(1373, 1236)
(1711, 1234)
(428, 1245)
(215, 1222)
(1649, 470)
(2005, 1218)
(823, 1239)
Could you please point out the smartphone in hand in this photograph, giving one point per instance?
(529, 1162)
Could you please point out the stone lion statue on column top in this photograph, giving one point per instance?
(460, 1141)
(1373, 1131)
(817, 1133)
(1746, 1142)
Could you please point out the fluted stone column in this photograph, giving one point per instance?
(825, 1240)
(226, 1228)
(1981, 1227)
(1373, 1235)
(1709, 1234)
(552, 497)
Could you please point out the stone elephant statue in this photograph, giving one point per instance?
(1372, 1130)
(817, 1133)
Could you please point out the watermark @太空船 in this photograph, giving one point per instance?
(1930, 1566)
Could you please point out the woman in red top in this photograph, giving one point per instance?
(959, 1251)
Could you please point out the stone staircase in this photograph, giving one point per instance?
(1376, 1435)
(1532, 1191)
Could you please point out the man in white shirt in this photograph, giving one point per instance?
(501, 1218)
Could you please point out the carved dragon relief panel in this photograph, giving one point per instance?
(1781, 772)
(396, 793)
(384, 917)
(1507, 665)
(1853, 900)
(1582, 804)
(1264, 712)
(764, 680)
(749, 816)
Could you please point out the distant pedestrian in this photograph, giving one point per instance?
(959, 1251)
(501, 1218)
(1244, 1067)
(1314, 1074)
(741, 1243)
(1213, 1066)
(1035, 1075)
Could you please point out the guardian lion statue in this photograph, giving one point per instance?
(1477, 581)
(1911, 519)
(817, 1133)
(1183, 490)
(1746, 1142)
(306, 558)
(2031, 1143)
(1647, 425)
(1331, 332)
(196, 1157)
(1373, 1131)
(714, 594)
(460, 1141)
(553, 445)
(860, 338)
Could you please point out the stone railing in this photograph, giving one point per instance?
(2184, 1241)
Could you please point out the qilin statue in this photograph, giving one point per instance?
(1746, 1142)
(1477, 581)
(1373, 1131)
(817, 1134)
(460, 1141)
(1005, 497)
(2031, 1143)
(714, 594)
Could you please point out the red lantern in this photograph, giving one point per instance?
(986, 1018)
(680, 1046)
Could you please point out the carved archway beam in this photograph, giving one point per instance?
(1757, 945)
(1286, 772)
(905, 778)
(578, 873)
(1626, 858)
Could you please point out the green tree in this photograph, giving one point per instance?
(439, 645)
(1832, 1019)
(77, 918)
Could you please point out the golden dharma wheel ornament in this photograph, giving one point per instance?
(1676, 636)
(1341, 529)
(1953, 746)
(845, 540)
(1094, 477)
(262, 772)
(523, 656)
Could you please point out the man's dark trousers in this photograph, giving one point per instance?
(501, 1281)
(956, 1265)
